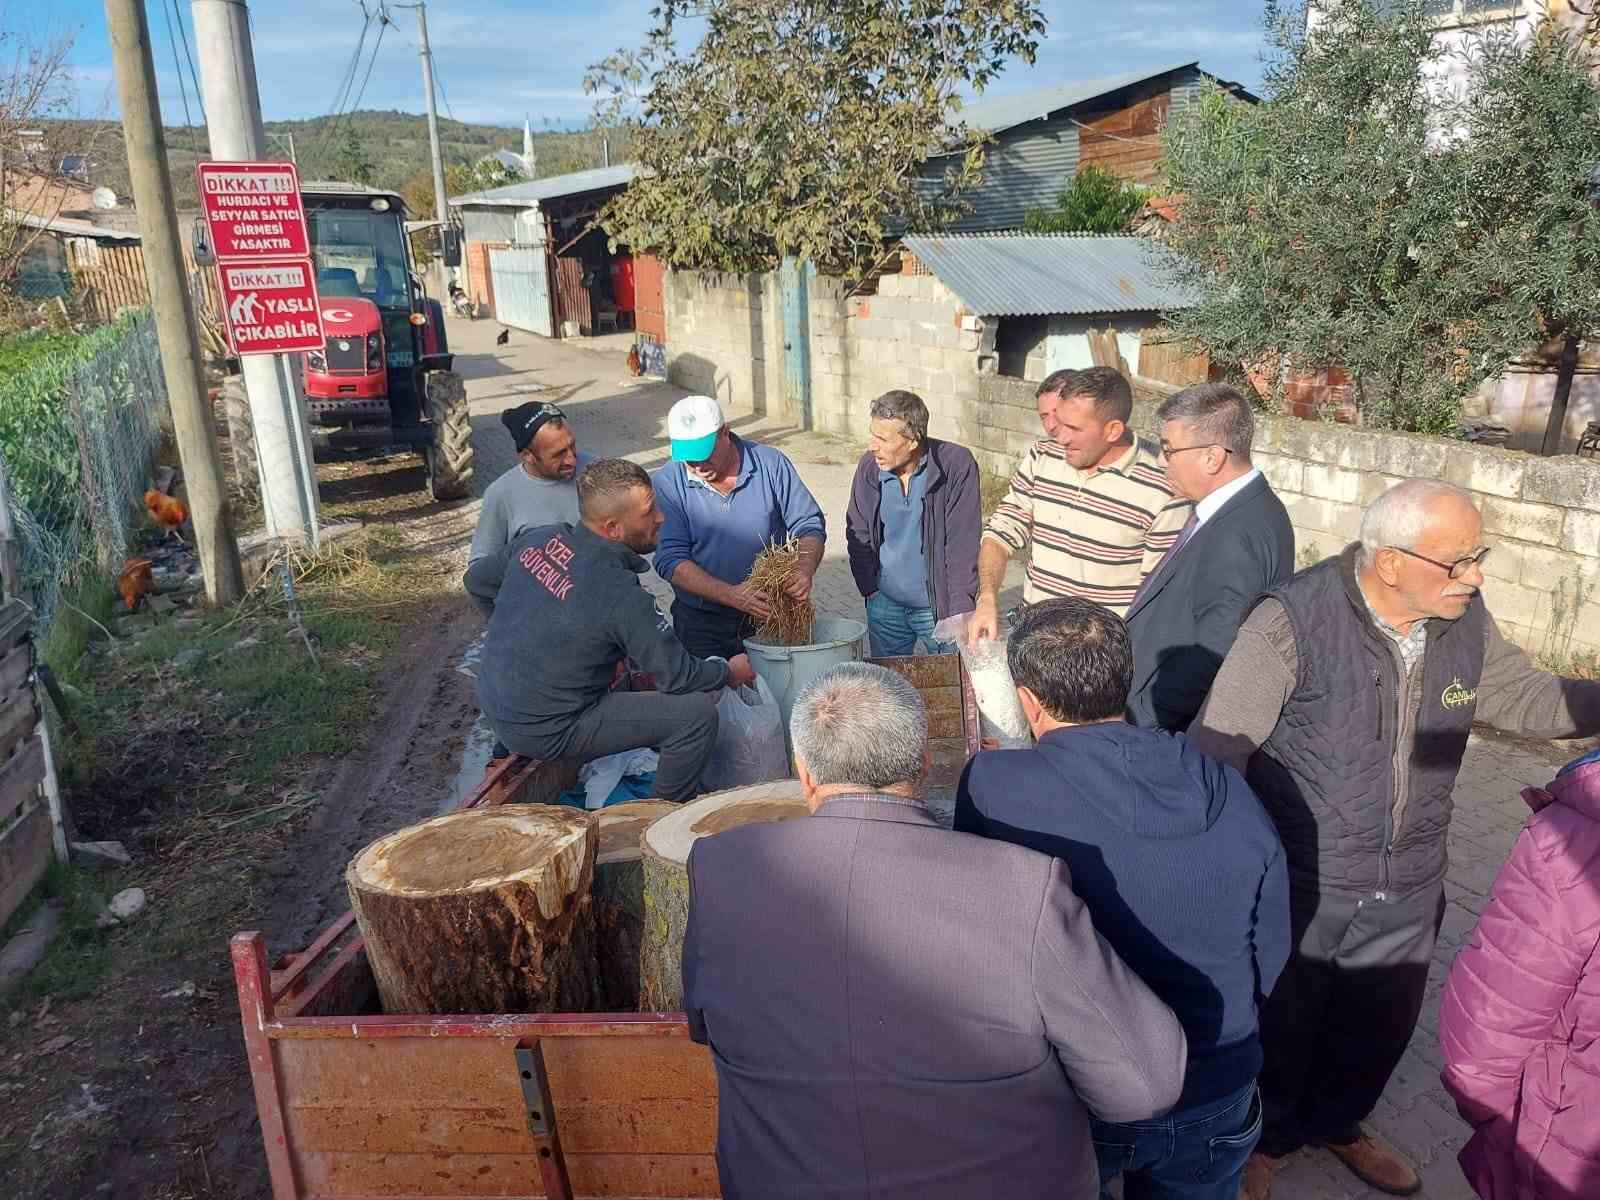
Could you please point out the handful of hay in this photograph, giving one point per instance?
(790, 622)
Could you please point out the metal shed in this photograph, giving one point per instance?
(1050, 293)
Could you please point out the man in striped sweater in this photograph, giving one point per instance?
(1091, 499)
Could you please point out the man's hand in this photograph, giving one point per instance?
(747, 599)
(984, 624)
(799, 585)
(740, 672)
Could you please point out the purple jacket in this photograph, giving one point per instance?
(1519, 1022)
(952, 523)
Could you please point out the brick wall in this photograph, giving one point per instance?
(725, 338)
(1541, 515)
(480, 286)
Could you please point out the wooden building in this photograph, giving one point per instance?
(533, 260)
(1042, 137)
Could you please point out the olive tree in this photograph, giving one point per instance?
(1421, 234)
(800, 127)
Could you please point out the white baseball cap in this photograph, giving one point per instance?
(692, 427)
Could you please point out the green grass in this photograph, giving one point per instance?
(198, 770)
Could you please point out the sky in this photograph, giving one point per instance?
(499, 60)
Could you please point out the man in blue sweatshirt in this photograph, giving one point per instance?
(1181, 871)
(724, 499)
(565, 608)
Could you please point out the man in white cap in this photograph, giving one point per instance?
(724, 499)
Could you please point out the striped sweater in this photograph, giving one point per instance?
(1095, 534)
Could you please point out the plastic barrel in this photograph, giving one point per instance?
(787, 669)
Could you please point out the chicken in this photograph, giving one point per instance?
(135, 581)
(635, 367)
(505, 336)
(168, 512)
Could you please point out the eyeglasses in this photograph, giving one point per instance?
(1169, 451)
(1456, 569)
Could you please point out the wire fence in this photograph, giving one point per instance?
(78, 436)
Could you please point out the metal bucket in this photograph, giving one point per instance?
(787, 669)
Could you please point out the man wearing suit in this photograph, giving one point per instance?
(1236, 545)
(898, 1012)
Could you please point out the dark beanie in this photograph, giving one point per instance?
(526, 420)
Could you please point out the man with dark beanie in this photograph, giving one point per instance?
(1179, 868)
(542, 489)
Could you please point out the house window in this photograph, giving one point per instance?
(1472, 12)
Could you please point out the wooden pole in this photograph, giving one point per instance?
(169, 299)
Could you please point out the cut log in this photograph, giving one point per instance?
(483, 911)
(665, 853)
(619, 898)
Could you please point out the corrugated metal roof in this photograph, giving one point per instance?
(524, 195)
(995, 114)
(1048, 274)
(73, 227)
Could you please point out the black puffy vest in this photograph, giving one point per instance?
(1327, 775)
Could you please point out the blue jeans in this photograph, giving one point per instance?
(893, 629)
(1192, 1154)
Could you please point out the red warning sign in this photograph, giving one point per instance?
(271, 306)
(253, 210)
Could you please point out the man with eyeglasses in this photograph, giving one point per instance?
(1347, 701)
(1236, 543)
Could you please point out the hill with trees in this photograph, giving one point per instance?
(385, 149)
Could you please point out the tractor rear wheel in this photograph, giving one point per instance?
(449, 453)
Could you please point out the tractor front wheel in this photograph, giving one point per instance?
(449, 453)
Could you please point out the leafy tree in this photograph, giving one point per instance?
(1364, 218)
(350, 161)
(798, 127)
(1530, 196)
(1094, 201)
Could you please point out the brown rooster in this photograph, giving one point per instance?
(635, 364)
(135, 581)
(168, 512)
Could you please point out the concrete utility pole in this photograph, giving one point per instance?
(441, 208)
(271, 381)
(169, 299)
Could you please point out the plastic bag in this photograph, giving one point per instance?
(750, 747)
(599, 777)
(999, 711)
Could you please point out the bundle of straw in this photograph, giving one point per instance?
(790, 622)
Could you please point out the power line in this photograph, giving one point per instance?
(383, 24)
(177, 67)
(348, 81)
(183, 33)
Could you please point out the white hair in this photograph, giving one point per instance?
(860, 724)
(1400, 516)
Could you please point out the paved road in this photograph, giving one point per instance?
(613, 414)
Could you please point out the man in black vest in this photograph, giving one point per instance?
(1347, 700)
(1237, 544)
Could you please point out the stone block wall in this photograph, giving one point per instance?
(1541, 515)
(725, 338)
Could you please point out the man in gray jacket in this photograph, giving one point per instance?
(901, 1013)
(1347, 701)
(565, 608)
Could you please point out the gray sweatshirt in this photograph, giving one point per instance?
(565, 607)
(517, 502)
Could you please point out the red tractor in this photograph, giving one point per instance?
(383, 377)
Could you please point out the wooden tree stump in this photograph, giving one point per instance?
(665, 853)
(483, 911)
(619, 898)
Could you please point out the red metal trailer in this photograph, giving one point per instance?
(358, 1105)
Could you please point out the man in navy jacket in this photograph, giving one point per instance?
(1176, 861)
(1238, 545)
(912, 527)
